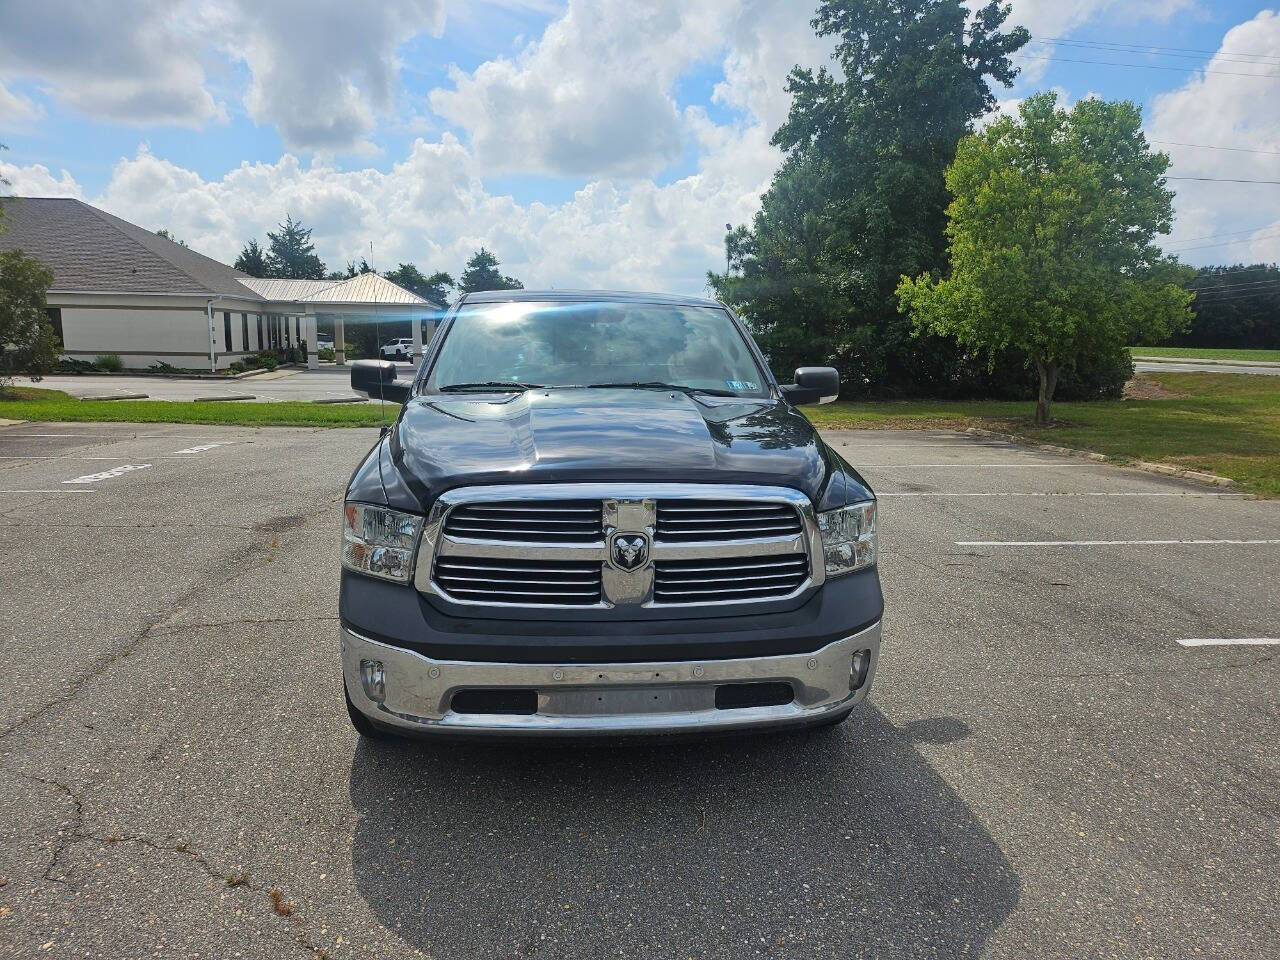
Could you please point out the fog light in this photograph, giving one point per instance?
(858, 670)
(373, 677)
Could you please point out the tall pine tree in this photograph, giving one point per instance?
(291, 254)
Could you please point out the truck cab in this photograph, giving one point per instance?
(601, 514)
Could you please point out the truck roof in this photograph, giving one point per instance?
(623, 296)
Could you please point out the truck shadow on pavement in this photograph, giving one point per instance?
(841, 842)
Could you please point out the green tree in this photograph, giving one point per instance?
(860, 199)
(434, 288)
(164, 232)
(27, 341)
(291, 254)
(252, 260)
(1236, 306)
(482, 273)
(1051, 239)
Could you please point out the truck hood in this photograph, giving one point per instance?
(573, 435)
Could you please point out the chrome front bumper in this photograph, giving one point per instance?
(415, 692)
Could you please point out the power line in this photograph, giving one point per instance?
(1222, 180)
(1205, 146)
(1231, 287)
(1150, 66)
(1265, 60)
(1214, 236)
(1151, 47)
(1227, 243)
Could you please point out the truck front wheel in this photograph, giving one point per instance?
(364, 726)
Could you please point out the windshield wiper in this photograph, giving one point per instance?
(488, 385)
(659, 385)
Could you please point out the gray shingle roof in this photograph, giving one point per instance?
(89, 250)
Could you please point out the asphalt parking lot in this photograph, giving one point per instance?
(1054, 762)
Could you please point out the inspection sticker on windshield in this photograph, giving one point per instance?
(741, 385)
(108, 474)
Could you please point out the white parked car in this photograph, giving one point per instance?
(401, 349)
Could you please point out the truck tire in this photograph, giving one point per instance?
(363, 725)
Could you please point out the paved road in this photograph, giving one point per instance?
(1043, 770)
(327, 383)
(1192, 367)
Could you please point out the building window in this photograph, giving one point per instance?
(244, 332)
(226, 331)
(55, 320)
(258, 317)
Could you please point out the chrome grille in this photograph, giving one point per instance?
(737, 578)
(684, 521)
(533, 582)
(552, 521)
(549, 545)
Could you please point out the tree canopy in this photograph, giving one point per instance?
(1235, 306)
(291, 254)
(164, 232)
(434, 288)
(482, 273)
(859, 199)
(252, 260)
(1051, 240)
(27, 341)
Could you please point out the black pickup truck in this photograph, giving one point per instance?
(599, 513)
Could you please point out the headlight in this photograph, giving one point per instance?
(848, 538)
(380, 542)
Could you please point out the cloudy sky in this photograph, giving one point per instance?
(600, 143)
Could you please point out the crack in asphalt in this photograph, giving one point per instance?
(238, 621)
(147, 630)
(77, 834)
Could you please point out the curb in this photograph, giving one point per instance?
(120, 396)
(1210, 361)
(1197, 476)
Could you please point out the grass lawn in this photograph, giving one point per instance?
(34, 403)
(1228, 424)
(1206, 353)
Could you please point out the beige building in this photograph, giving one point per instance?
(120, 289)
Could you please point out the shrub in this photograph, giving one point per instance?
(68, 365)
(109, 363)
(161, 367)
(238, 366)
(267, 360)
(326, 354)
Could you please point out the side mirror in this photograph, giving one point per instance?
(813, 385)
(376, 379)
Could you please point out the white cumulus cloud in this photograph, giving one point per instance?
(1222, 222)
(128, 61)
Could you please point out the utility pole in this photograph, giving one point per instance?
(728, 229)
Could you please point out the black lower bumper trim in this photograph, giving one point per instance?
(400, 616)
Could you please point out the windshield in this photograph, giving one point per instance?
(517, 345)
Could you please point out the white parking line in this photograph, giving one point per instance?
(108, 474)
(48, 491)
(1230, 641)
(201, 448)
(1089, 493)
(1106, 543)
